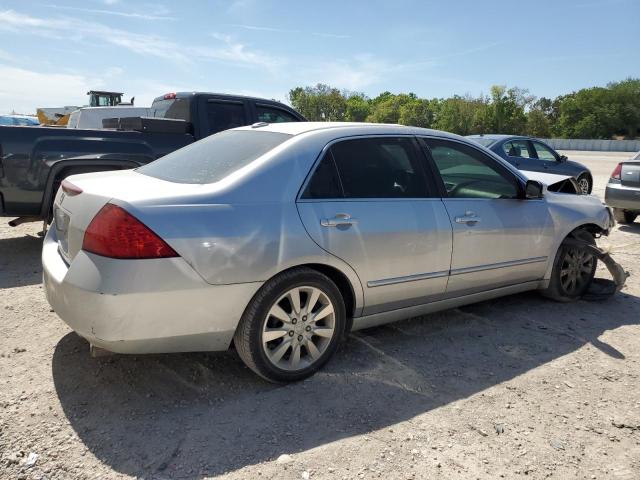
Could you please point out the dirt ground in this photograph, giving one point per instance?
(519, 387)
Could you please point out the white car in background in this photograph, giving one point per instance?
(90, 118)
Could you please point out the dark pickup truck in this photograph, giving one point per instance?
(35, 160)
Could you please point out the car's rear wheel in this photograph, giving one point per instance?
(573, 271)
(623, 216)
(292, 326)
(584, 182)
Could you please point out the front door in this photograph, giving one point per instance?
(369, 203)
(499, 238)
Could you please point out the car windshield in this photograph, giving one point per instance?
(484, 141)
(215, 157)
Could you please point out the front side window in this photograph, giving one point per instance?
(544, 152)
(215, 157)
(225, 115)
(516, 148)
(382, 167)
(468, 173)
(273, 115)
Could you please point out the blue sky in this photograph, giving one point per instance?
(53, 51)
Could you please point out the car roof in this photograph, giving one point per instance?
(355, 128)
(229, 96)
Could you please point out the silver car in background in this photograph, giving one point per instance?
(281, 238)
(623, 190)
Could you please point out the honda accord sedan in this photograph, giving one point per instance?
(279, 239)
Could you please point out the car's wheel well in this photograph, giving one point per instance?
(341, 281)
(591, 228)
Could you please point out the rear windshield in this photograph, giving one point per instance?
(485, 142)
(175, 108)
(215, 157)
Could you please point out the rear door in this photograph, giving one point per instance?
(499, 239)
(370, 203)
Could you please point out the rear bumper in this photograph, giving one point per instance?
(142, 306)
(619, 196)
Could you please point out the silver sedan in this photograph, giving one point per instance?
(281, 238)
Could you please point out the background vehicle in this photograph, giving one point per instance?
(283, 237)
(531, 154)
(623, 190)
(35, 160)
(92, 117)
(19, 120)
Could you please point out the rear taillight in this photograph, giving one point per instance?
(115, 233)
(617, 172)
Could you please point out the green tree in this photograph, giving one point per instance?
(508, 108)
(538, 124)
(417, 113)
(358, 107)
(319, 103)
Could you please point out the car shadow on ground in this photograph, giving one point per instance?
(629, 228)
(20, 263)
(196, 415)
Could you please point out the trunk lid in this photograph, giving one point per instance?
(73, 213)
(630, 174)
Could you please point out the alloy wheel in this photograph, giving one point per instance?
(576, 270)
(583, 183)
(298, 328)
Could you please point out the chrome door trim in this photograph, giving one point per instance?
(492, 266)
(408, 278)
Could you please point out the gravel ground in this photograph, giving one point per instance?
(519, 387)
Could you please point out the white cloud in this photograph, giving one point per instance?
(24, 90)
(283, 30)
(230, 51)
(117, 13)
(353, 74)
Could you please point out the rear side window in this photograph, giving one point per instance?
(381, 167)
(273, 115)
(225, 115)
(215, 157)
(325, 182)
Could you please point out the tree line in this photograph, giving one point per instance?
(598, 112)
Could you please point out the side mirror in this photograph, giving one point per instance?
(563, 158)
(533, 190)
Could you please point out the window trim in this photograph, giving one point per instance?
(518, 180)
(430, 184)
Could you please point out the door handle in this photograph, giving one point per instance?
(468, 217)
(339, 219)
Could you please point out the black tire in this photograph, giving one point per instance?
(248, 336)
(568, 258)
(623, 216)
(585, 183)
